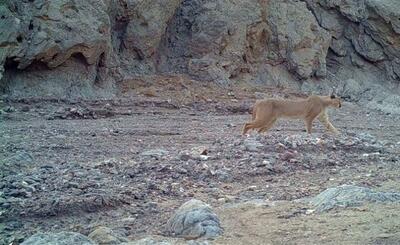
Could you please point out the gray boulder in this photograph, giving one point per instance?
(106, 236)
(62, 238)
(349, 196)
(194, 219)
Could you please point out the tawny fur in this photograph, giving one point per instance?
(266, 112)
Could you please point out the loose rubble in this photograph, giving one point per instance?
(62, 238)
(131, 172)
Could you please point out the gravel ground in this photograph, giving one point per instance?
(129, 164)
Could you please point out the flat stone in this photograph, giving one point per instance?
(349, 196)
(155, 153)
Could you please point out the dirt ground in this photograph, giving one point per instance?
(129, 163)
(283, 223)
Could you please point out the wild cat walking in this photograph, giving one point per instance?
(266, 112)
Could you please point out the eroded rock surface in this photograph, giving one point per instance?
(220, 40)
(364, 52)
(55, 48)
(350, 196)
(75, 49)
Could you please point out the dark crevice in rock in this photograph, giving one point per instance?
(119, 31)
(99, 69)
(80, 58)
(20, 38)
(30, 25)
(37, 65)
(119, 17)
(11, 70)
(11, 64)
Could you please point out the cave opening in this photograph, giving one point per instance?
(11, 64)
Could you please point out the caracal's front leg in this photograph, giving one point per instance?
(308, 122)
(267, 126)
(324, 119)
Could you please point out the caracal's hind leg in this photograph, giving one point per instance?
(308, 123)
(324, 119)
(267, 126)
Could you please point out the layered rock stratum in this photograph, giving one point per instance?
(84, 49)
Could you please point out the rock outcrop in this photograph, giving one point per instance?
(222, 40)
(75, 49)
(350, 196)
(364, 52)
(56, 48)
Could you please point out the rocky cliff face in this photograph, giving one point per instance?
(363, 57)
(74, 48)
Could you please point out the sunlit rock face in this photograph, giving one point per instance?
(83, 49)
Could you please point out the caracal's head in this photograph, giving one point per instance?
(335, 101)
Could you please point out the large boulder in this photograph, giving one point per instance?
(194, 219)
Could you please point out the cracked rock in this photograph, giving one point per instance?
(194, 219)
(349, 196)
